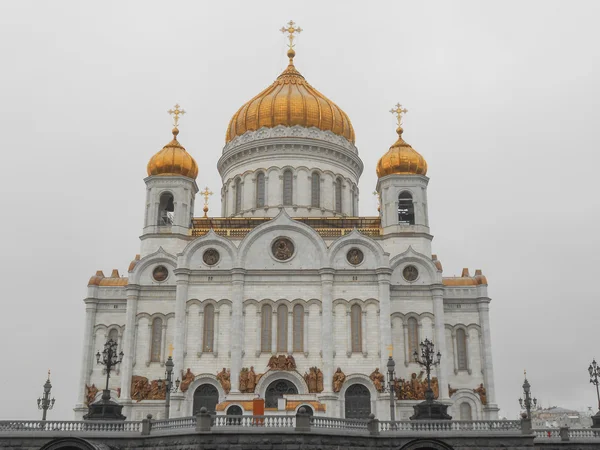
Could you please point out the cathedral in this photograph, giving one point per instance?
(290, 299)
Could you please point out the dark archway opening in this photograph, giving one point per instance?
(207, 396)
(358, 402)
(276, 390)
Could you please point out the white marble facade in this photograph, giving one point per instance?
(453, 312)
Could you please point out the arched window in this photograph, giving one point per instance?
(356, 328)
(208, 338)
(406, 209)
(238, 195)
(413, 338)
(207, 396)
(338, 195)
(113, 335)
(265, 336)
(282, 328)
(166, 209)
(157, 325)
(298, 328)
(461, 349)
(276, 390)
(260, 190)
(358, 402)
(315, 190)
(465, 411)
(288, 178)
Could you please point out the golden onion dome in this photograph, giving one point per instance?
(173, 159)
(290, 101)
(401, 159)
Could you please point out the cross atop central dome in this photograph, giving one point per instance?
(290, 101)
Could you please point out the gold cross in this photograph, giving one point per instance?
(206, 193)
(291, 29)
(398, 111)
(176, 113)
(171, 348)
(390, 349)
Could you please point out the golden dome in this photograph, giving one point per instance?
(173, 160)
(401, 159)
(290, 101)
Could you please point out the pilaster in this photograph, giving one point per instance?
(491, 409)
(133, 292)
(91, 306)
(440, 341)
(182, 281)
(385, 320)
(237, 333)
(327, 327)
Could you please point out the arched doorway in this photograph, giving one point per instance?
(276, 390)
(73, 443)
(308, 409)
(206, 395)
(358, 402)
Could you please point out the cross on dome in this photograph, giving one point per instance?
(176, 113)
(291, 29)
(206, 193)
(398, 111)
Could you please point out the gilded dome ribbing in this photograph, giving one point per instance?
(401, 159)
(173, 159)
(290, 101)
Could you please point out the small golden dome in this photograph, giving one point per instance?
(290, 101)
(173, 160)
(401, 159)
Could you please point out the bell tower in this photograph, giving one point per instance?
(170, 187)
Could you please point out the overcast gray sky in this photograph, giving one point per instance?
(504, 103)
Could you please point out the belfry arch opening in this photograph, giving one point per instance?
(406, 209)
(166, 209)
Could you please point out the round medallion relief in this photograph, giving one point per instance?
(211, 257)
(355, 256)
(410, 273)
(282, 249)
(160, 273)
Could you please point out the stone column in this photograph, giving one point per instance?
(181, 296)
(133, 292)
(327, 327)
(237, 336)
(483, 307)
(440, 341)
(385, 319)
(91, 306)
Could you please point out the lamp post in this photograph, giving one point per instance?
(169, 385)
(429, 409)
(391, 366)
(44, 403)
(528, 402)
(594, 371)
(105, 408)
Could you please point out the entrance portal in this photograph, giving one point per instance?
(276, 390)
(358, 402)
(206, 395)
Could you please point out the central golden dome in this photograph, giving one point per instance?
(290, 101)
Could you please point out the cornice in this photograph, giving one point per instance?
(406, 234)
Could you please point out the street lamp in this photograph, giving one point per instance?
(391, 388)
(429, 409)
(169, 385)
(105, 408)
(528, 402)
(44, 403)
(594, 371)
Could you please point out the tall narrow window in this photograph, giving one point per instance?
(238, 195)
(461, 349)
(209, 329)
(157, 325)
(465, 411)
(353, 197)
(338, 195)
(298, 328)
(260, 190)
(406, 209)
(265, 337)
(315, 190)
(114, 335)
(288, 178)
(356, 328)
(413, 338)
(166, 209)
(282, 328)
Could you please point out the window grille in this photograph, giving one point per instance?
(260, 190)
(315, 198)
(238, 195)
(288, 178)
(338, 195)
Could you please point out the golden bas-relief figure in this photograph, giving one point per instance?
(186, 380)
(282, 362)
(378, 379)
(142, 389)
(314, 380)
(414, 389)
(224, 377)
(482, 394)
(90, 394)
(338, 380)
(248, 379)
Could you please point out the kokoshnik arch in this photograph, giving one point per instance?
(290, 296)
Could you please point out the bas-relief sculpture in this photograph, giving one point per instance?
(282, 362)
(142, 389)
(90, 394)
(314, 380)
(186, 380)
(338, 380)
(378, 379)
(482, 394)
(451, 390)
(414, 389)
(248, 379)
(224, 377)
